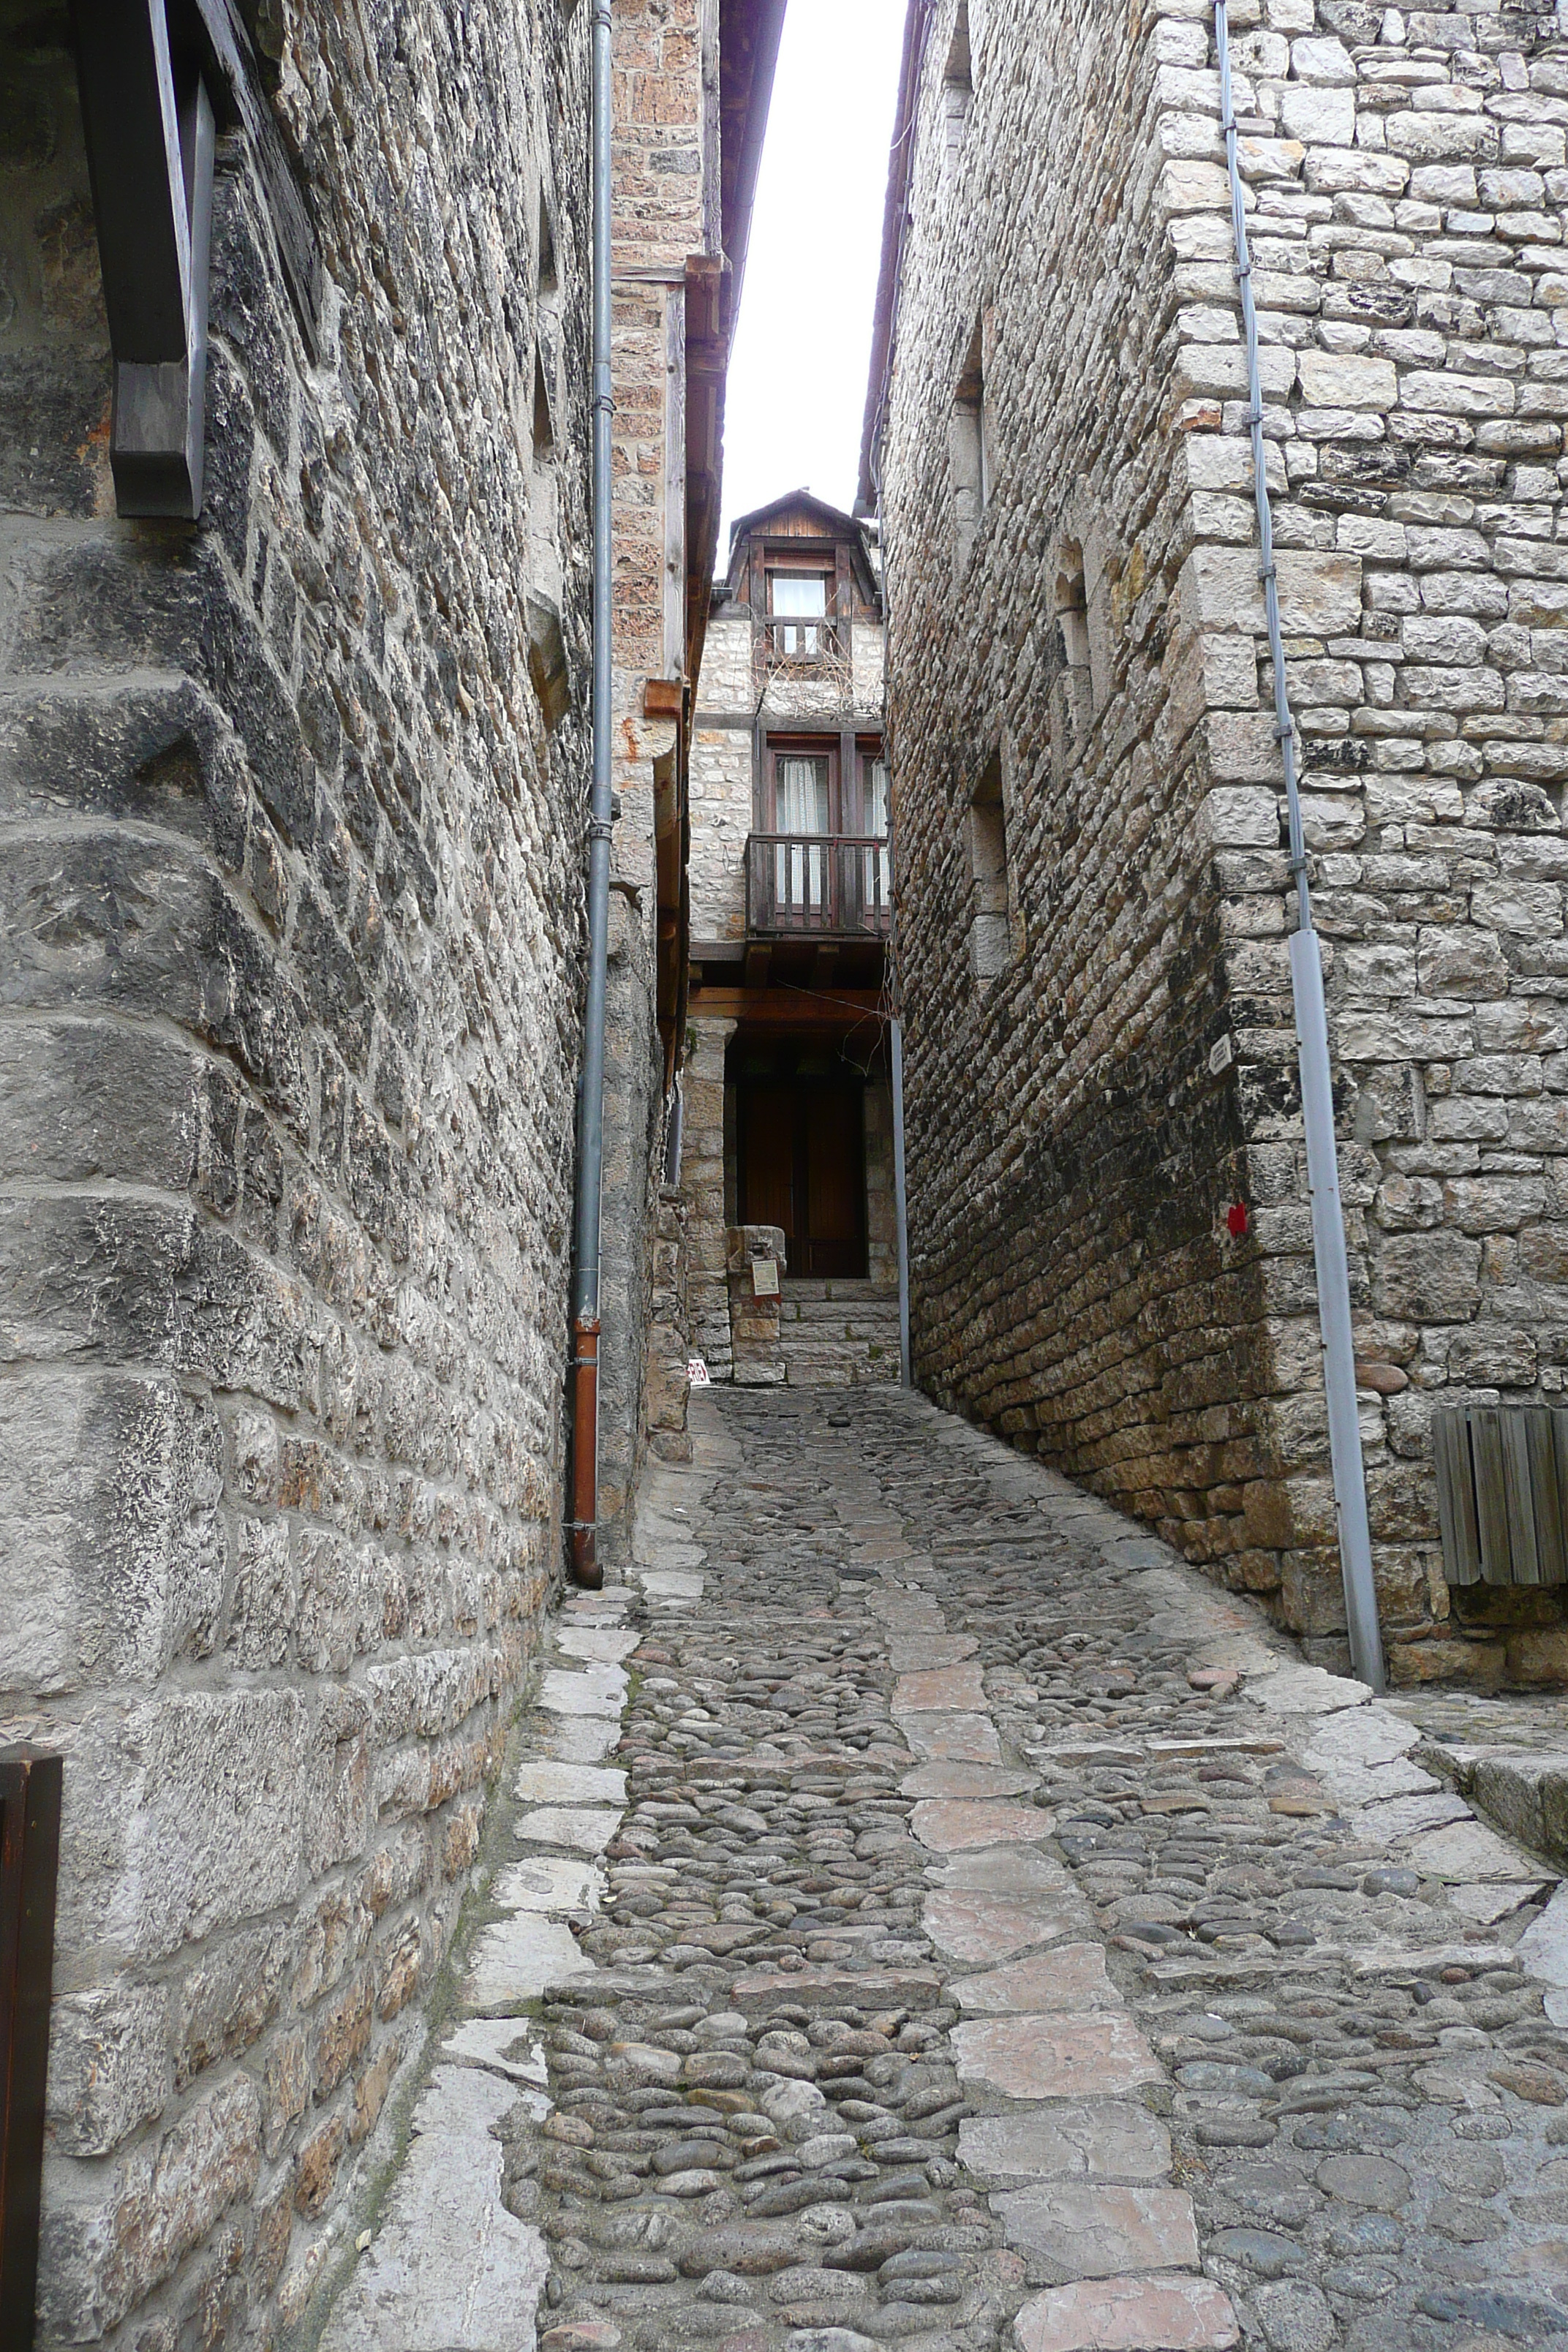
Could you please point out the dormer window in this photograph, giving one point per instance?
(794, 595)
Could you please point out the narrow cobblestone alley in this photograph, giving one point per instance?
(1006, 1940)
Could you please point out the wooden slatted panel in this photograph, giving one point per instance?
(1457, 1497)
(1491, 1495)
(1516, 1491)
(1546, 1494)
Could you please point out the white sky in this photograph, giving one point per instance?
(797, 380)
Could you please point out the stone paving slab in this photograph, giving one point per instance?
(999, 1941)
(450, 2269)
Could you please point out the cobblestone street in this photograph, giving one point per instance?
(997, 1936)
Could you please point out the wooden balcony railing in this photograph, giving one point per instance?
(818, 886)
(788, 641)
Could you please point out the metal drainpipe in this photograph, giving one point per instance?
(900, 1207)
(585, 1567)
(1311, 1015)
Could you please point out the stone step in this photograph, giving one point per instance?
(833, 1313)
(859, 1374)
(834, 1286)
(813, 1361)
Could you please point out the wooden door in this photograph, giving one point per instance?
(770, 1118)
(803, 1168)
(834, 1181)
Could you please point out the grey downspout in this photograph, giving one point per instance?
(585, 1567)
(901, 1205)
(1312, 1017)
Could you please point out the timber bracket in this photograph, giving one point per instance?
(158, 80)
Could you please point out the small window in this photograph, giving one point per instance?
(957, 90)
(543, 429)
(802, 795)
(990, 930)
(970, 451)
(802, 596)
(1068, 661)
(1072, 607)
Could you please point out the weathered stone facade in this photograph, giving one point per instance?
(796, 987)
(294, 805)
(1086, 789)
(291, 878)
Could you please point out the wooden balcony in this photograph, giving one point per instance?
(818, 887)
(800, 642)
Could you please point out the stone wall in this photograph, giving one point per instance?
(667, 167)
(292, 934)
(723, 784)
(881, 1200)
(706, 1179)
(1087, 790)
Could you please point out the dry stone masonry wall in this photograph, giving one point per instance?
(1071, 1151)
(292, 940)
(1126, 1074)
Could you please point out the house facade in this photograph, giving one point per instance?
(295, 408)
(1111, 1247)
(787, 1109)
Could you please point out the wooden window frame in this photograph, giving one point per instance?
(850, 752)
(796, 745)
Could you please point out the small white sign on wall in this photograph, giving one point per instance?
(765, 1277)
(697, 1373)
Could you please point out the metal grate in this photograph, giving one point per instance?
(29, 1855)
(1502, 1493)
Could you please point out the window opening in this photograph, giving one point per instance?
(969, 450)
(957, 90)
(801, 595)
(1072, 693)
(1072, 607)
(802, 787)
(990, 930)
(876, 879)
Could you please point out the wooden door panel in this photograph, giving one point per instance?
(835, 1182)
(769, 1119)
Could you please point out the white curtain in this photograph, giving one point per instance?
(802, 593)
(801, 807)
(878, 869)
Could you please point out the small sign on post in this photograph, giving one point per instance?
(765, 1277)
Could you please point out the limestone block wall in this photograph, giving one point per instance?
(1070, 1150)
(291, 1017)
(1088, 813)
(666, 170)
(1410, 200)
(703, 1181)
(722, 781)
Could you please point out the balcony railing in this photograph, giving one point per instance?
(818, 886)
(789, 642)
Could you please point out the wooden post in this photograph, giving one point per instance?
(29, 1861)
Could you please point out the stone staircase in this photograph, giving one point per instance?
(837, 1334)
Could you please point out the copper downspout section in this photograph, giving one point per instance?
(586, 1572)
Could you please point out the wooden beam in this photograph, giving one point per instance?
(148, 121)
(759, 957)
(788, 1008)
